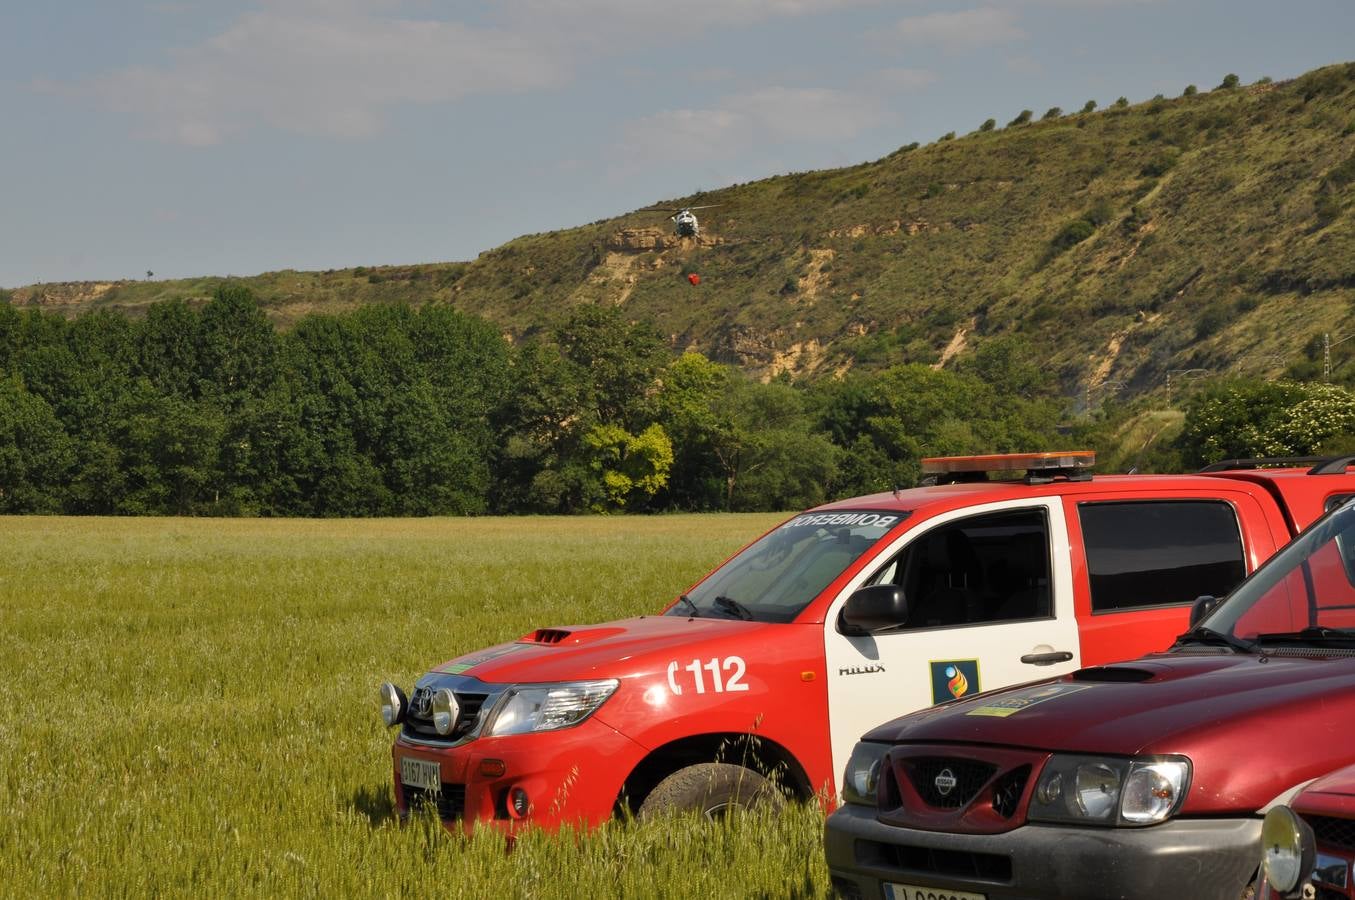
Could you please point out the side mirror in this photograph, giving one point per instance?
(878, 607)
(1203, 606)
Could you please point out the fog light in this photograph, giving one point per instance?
(1288, 850)
(445, 711)
(493, 768)
(393, 704)
(518, 804)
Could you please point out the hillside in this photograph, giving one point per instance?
(1203, 234)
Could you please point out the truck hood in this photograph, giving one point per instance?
(610, 650)
(1165, 703)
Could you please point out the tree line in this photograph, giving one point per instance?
(396, 411)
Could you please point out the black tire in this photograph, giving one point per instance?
(712, 789)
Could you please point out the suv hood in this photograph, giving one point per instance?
(1165, 703)
(610, 650)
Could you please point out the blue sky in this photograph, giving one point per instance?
(193, 137)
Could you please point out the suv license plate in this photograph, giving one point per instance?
(420, 773)
(916, 892)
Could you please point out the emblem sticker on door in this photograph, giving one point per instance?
(954, 678)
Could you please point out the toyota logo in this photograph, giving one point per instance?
(421, 703)
(945, 782)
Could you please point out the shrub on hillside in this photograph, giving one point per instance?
(1121, 102)
(948, 136)
(1052, 113)
(1229, 82)
(1072, 234)
(1158, 166)
(1190, 91)
(988, 125)
(1021, 118)
(1089, 106)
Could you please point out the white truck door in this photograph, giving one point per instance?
(990, 604)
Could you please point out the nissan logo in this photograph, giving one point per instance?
(945, 782)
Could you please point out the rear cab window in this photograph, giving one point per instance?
(1148, 553)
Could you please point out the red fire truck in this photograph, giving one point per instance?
(756, 683)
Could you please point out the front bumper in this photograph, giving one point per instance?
(1198, 858)
(571, 776)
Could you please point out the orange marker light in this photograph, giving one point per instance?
(806, 676)
(493, 768)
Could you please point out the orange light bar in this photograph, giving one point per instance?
(1009, 462)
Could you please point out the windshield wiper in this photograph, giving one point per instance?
(733, 607)
(1314, 634)
(687, 601)
(1201, 635)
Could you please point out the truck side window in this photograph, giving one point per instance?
(987, 568)
(1160, 552)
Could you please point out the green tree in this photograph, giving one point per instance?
(1089, 106)
(630, 467)
(36, 455)
(1229, 82)
(988, 125)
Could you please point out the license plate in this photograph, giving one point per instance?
(420, 773)
(916, 892)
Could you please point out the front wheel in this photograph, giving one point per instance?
(713, 789)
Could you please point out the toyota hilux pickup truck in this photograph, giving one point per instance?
(755, 683)
(1141, 779)
(1308, 843)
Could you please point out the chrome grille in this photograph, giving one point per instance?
(422, 729)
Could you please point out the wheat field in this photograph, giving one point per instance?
(188, 706)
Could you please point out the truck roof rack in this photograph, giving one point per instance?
(1040, 468)
(1321, 465)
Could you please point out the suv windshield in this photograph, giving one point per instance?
(775, 578)
(1304, 595)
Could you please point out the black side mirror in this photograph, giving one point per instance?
(878, 607)
(1203, 606)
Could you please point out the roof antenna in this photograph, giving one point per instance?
(896, 491)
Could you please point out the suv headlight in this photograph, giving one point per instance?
(1097, 790)
(546, 707)
(863, 773)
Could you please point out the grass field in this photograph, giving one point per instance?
(188, 706)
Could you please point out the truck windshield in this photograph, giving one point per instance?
(775, 578)
(1304, 595)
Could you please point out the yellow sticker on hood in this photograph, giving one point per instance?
(1010, 704)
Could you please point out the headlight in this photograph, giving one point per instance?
(1094, 790)
(1287, 849)
(863, 773)
(547, 707)
(393, 704)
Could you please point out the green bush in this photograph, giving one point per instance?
(1229, 82)
(948, 136)
(988, 125)
(1052, 113)
(1190, 91)
(1121, 102)
(1021, 118)
(1089, 106)
(1072, 234)
(1158, 166)
(1327, 208)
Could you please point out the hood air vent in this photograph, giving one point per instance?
(546, 636)
(1113, 674)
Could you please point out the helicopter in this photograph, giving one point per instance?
(684, 219)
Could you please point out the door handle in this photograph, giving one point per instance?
(1046, 659)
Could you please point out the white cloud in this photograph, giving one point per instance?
(331, 75)
(761, 118)
(962, 30)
